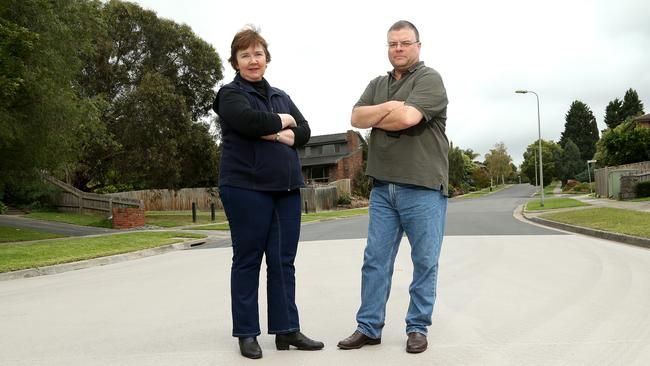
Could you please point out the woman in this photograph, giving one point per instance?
(259, 181)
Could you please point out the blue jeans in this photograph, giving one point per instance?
(396, 209)
(262, 224)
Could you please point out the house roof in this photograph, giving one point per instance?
(644, 118)
(327, 139)
(321, 160)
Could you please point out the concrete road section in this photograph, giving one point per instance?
(502, 300)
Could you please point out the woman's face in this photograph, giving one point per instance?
(251, 63)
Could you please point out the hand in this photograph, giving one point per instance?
(287, 120)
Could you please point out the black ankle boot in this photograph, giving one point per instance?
(249, 347)
(298, 340)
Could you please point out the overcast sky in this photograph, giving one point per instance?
(324, 54)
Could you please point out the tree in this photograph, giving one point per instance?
(498, 162)
(568, 162)
(157, 79)
(581, 128)
(612, 113)
(41, 107)
(549, 153)
(456, 166)
(624, 144)
(631, 106)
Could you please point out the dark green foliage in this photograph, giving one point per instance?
(643, 189)
(581, 127)
(344, 199)
(627, 143)
(456, 166)
(612, 113)
(550, 151)
(568, 162)
(632, 106)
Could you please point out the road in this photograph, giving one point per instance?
(51, 227)
(504, 298)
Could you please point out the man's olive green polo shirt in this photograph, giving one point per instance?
(417, 155)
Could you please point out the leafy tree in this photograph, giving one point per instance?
(612, 113)
(568, 162)
(41, 109)
(481, 177)
(549, 153)
(581, 128)
(624, 144)
(456, 166)
(498, 162)
(157, 78)
(631, 106)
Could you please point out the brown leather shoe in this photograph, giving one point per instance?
(357, 340)
(416, 342)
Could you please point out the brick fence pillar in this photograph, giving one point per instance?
(126, 218)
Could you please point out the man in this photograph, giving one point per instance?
(407, 162)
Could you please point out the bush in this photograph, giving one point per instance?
(643, 189)
(344, 199)
(3, 208)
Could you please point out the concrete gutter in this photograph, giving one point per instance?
(101, 261)
(621, 238)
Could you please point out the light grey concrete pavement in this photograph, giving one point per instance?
(502, 300)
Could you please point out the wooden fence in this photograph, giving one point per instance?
(70, 199)
(313, 198)
(601, 176)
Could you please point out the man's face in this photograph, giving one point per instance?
(403, 49)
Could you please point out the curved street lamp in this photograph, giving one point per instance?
(539, 139)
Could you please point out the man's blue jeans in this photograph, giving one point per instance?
(420, 213)
(263, 224)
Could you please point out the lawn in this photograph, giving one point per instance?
(553, 203)
(482, 192)
(305, 218)
(607, 219)
(181, 218)
(18, 256)
(71, 218)
(13, 234)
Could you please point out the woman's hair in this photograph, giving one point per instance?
(249, 36)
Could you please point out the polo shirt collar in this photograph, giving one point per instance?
(411, 69)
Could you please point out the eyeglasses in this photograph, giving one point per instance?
(403, 44)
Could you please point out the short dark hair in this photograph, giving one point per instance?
(249, 36)
(401, 24)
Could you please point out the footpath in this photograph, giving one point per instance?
(643, 206)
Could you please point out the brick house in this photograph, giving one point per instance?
(328, 158)
(643, 121)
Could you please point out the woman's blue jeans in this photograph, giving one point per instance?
(396, 209)
(262, 224)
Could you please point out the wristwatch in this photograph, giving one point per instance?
(277, 137)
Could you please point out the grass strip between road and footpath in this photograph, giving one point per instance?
(554, 203)
(482, 192)
(13, 234)
(19, 256)
(615, 220)
(71, 218)
(181, 218)
(324, 215)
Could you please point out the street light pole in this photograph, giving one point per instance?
(539, 140)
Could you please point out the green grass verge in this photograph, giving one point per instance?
(15, 257)
(615, 220)
(643, 199)
(180, 218)
(553, 203)
(482, 192)
(70, 218)
(13, 234)
(305, 218)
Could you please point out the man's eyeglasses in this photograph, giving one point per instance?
(403, 44)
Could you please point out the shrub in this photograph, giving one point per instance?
(344, 199)
(3, 208)
(643, 189)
